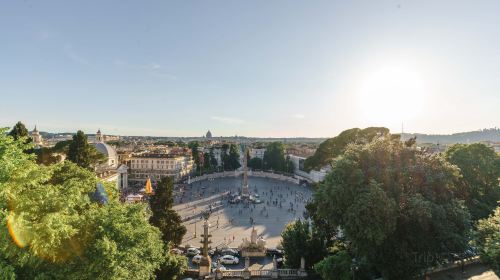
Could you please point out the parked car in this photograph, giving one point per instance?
(192, 252)
(214, 266)
(274, 252)
(211, 252)
(196, 259)
(177, 251)
(228, 259)
(229, 251)
(257, 201)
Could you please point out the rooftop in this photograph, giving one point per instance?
(156, 155)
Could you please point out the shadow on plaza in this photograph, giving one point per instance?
(234, 219)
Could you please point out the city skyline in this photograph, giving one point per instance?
(256, 69)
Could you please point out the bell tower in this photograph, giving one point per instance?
(98, 136)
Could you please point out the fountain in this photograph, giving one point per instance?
(255, 247)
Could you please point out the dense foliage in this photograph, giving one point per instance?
(480, 169)
(230, 157)
(488, 239)
(195, 146)
(82, 153)
(255, 163)
(274, 158)
(395, 205)
(53, 229)
(164, 217)
(298, 240)
(20, 131)
(333, 147)
(210, 163)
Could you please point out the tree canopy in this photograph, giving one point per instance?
(164, 217)
(488, 239)
(194, 146)
(53, 229)
(395, 205)
(230, 155)
(20, 131)
(333, 147)
(480, 169)
(82, 153)
(274, 159)
(298, 241)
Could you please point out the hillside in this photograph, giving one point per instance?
(491, 134)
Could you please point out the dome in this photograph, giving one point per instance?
(107, 151)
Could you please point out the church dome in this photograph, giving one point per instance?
(107, 151)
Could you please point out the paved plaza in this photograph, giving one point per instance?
(282, 202)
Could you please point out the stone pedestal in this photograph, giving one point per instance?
(205, 266)
(246, 274)
(218, 274)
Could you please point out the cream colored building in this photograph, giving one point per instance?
(257, 152)
(158, 165)
(36, 137)
(111, 170)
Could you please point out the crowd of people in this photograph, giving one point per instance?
(273, 202)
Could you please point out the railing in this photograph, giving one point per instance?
(232, 273)
(263, 273)
(288, 272)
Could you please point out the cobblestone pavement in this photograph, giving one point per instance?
(230, 223)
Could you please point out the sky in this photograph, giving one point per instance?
(260, 68)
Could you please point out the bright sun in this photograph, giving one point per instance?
(392, 94)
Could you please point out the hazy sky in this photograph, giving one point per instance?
(254, 68)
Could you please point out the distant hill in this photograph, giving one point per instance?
(491, 134)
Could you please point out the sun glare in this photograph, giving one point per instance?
(392, 94)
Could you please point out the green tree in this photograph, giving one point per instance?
(488, 239)
(337, 266)
(170, 225)
(62, 147)
(255, 163)
(233, 157)
(289, 166)
(7, 271)
(274, 156)
(46, 156)
(480, 168)
(213, 160)
(298, 241)
(395, 205)
(79, 150)
(164, 217)
(19, 131)
(194, 146)
(173, 267)
(56, 231)
(333, 147)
